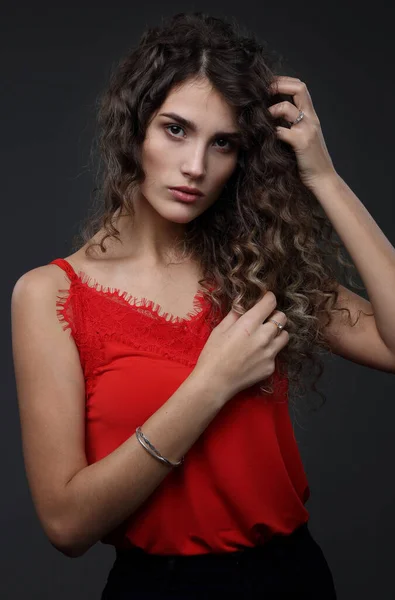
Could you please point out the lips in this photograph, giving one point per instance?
(184, 196)
(188, 190)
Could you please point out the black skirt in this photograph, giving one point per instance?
(287, 566)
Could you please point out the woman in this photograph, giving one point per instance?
(161, 424)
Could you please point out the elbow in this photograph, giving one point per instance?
(65, 550)
(64, 539)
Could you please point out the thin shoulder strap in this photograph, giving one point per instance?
(66, 266)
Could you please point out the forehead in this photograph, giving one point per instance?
(198, 100)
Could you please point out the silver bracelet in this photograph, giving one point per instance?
(153, 451)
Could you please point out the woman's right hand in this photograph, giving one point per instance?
(241, 349)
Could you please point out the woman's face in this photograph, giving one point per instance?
(200, 155)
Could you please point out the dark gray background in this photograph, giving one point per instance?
(55, 60)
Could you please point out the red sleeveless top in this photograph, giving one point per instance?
(243, 479)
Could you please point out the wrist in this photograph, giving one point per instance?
(210, 386)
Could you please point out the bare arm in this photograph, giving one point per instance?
(102, 495)
(76, 503)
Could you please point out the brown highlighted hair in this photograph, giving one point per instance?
(266, 231)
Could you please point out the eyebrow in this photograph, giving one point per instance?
(234, 135)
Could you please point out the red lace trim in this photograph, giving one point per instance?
(96, 314)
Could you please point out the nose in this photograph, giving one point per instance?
(194, 164)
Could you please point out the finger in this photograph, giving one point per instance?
(253, 317)
(285, 109)
(229, 319)
(278, 316)
(295, 88)
(258, 313)
(278, 80)
(280, 341)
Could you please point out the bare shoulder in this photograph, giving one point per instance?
(34, 280)
(50, 389)
(48, 276)
(35, 295)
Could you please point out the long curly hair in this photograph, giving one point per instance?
(266, 231)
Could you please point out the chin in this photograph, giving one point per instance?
(186, 217)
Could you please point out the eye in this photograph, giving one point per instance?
(173, 126)
(228, 148)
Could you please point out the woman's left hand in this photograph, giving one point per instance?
(306, 136)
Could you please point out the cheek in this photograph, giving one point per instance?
(154, 155)
(222, 175)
